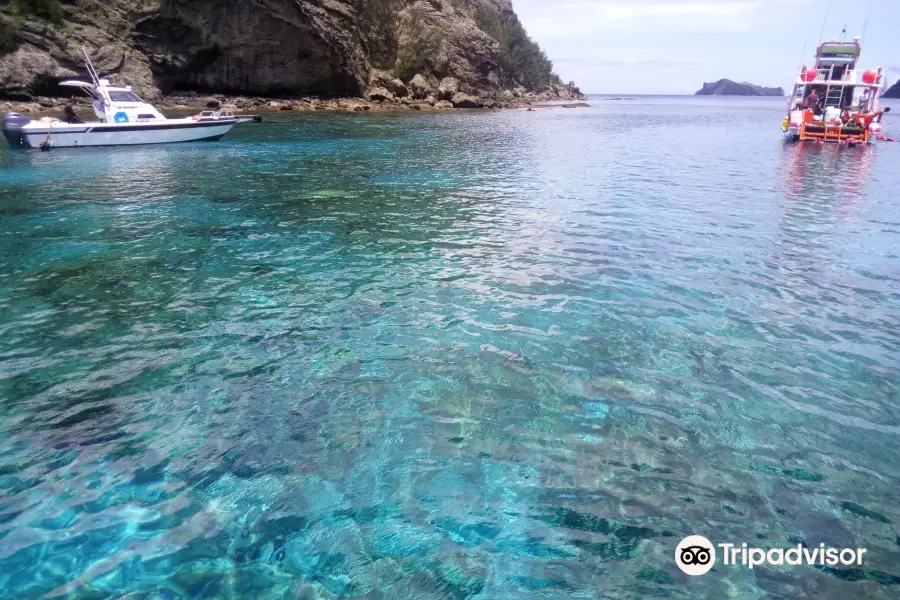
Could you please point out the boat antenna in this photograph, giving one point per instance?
(90, 67)
(866, 24)
(844, 33)
(824, 22)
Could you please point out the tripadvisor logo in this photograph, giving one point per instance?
(696, 555)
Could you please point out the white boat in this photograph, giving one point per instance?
(124, 119)
(847, 107)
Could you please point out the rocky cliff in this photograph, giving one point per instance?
(892, 92)
(433, 49)
(726, 87)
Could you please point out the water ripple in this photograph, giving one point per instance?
(497, 355)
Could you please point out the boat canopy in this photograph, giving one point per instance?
(73, 83)
(834, 50)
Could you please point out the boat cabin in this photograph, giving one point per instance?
(836, 80)
(116, 104)
(845, 105)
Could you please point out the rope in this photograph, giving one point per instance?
(48, 141)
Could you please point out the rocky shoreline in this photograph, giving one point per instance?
(378, 99)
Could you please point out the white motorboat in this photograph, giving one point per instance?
(124, 119)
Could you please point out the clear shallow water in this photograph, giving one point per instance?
(490, 356)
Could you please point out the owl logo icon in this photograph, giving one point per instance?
(695, 555)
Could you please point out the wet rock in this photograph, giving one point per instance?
(461, 100)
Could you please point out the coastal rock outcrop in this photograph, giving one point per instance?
(726, 87)
(420, 87)
(461, 100)
(381, 94)
(447, 88)
(274, 48)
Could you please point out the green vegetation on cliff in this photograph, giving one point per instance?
(50, 10)
(522, 62)
(9, 36)
(415, 56)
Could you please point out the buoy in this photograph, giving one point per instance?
(871, 76)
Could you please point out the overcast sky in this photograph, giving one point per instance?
(674, 46)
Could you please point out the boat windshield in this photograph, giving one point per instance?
(118, 96)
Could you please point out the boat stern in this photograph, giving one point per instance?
(13, 126)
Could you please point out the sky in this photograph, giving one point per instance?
(674, 46)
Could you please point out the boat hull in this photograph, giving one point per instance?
(71, 135)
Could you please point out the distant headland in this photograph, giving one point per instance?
(893, 91)
(726, 87)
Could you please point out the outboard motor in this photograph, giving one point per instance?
(13, 124)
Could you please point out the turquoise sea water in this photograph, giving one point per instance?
(494, 356)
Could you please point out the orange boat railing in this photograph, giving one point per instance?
(833, 133)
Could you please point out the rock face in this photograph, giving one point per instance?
(892, 92)
(420, 87)
(275, 48)
(726, 87)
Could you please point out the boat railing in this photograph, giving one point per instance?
(215, 114)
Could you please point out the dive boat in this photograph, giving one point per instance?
(124, 119)
(833, 101)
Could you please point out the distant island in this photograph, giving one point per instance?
(893, 91)
(726, 87)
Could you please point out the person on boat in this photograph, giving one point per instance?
(847, 116)
(812, 101)
(866, 119)
(863, 102)
(71, 115)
